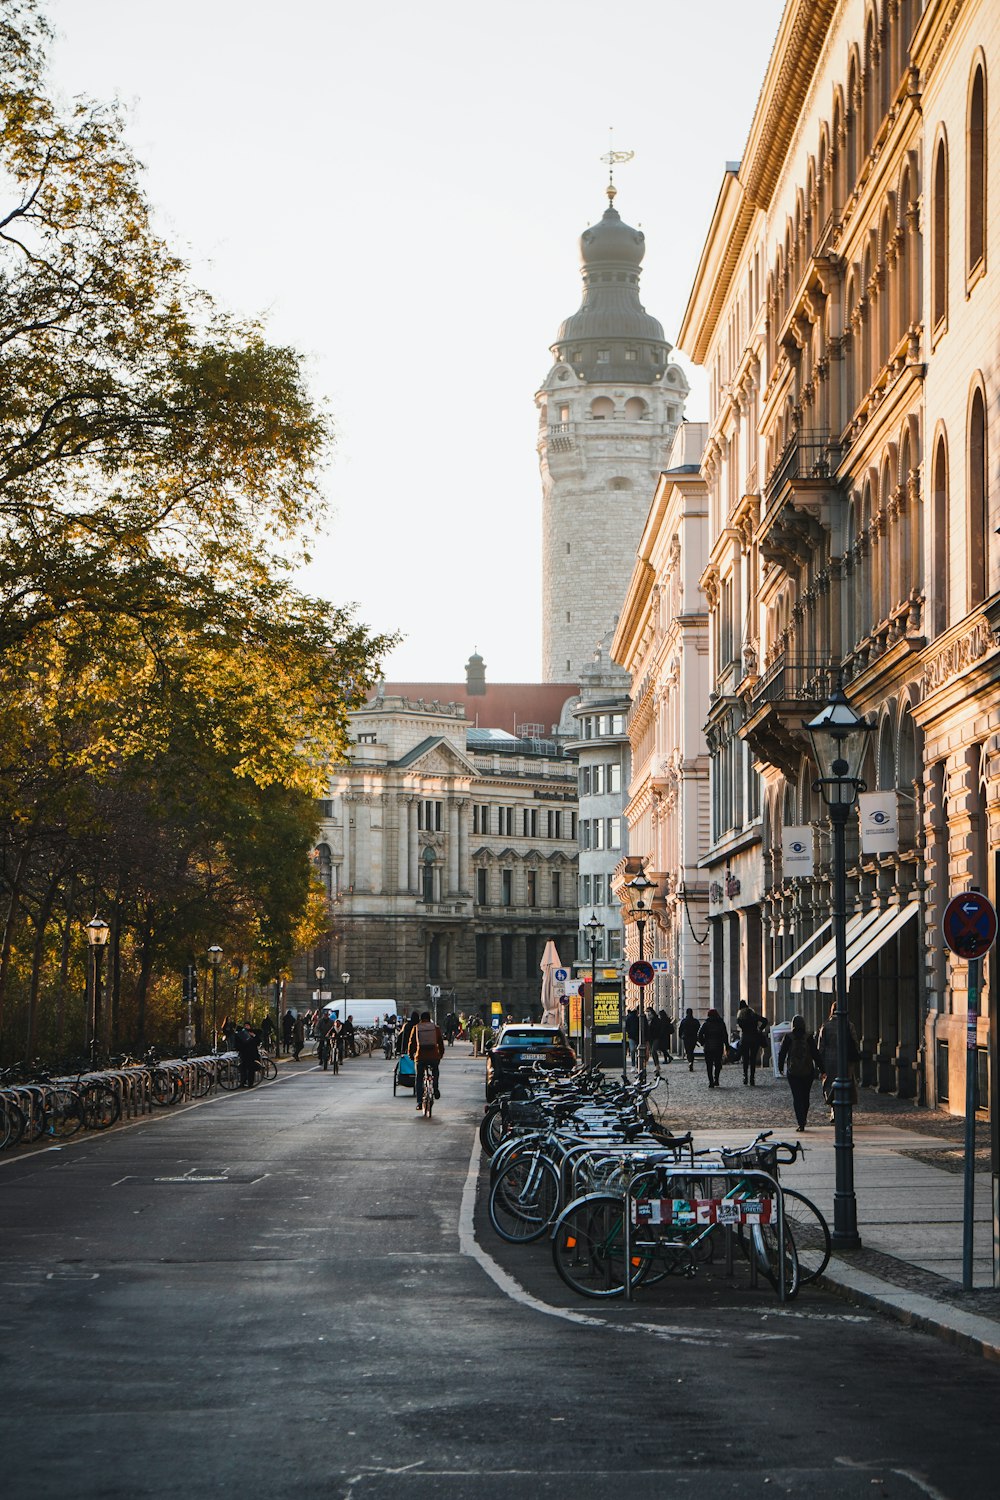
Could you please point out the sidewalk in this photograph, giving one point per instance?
(908, 1166)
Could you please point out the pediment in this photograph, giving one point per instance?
(437, 757)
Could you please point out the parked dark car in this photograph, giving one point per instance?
(517, 1047)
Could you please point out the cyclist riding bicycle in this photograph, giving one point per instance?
(389, 1035)
(427, 1050)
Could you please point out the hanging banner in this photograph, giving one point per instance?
(797, 850)
(879, 822)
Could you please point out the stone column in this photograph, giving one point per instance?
(403, 843)
(414, 849)
(452, 852)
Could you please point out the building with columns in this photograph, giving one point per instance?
(845, 308)
(607, 413)
(447, 847)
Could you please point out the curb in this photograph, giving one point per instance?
(968, 1331)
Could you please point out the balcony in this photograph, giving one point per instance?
(802, 500)
(776, 704)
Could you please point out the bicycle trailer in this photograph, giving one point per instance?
(404, 1074)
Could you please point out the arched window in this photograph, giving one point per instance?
(978, 501)
(868, 331)
(852, 163)
(887, 258)
(635, 408)
(940, 550)
(602, 409)
(977, 172)
(324, 867)
(886, 756)
(870, 86)
(939, 237)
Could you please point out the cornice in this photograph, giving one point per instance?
(799, 43)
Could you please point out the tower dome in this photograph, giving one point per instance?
(611, 337)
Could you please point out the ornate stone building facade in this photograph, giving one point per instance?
(607, 413)
(845, 307)
(448, 846)
(662, 640)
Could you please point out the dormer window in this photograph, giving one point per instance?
(631, 354)
(604, 356)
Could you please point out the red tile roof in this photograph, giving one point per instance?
(504, 705)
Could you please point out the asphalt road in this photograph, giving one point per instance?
(280, 1293)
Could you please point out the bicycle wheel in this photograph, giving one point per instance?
(817, 1233)
(101, 1106)
(64, 1112)
(524, 1199)
(588, 1246)
(12, 1122)
(268, 1069)
(764, 1238)
(229, 1073)
(491, 1129)
(428, 1099)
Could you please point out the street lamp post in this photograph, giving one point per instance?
(215, 959)
(639, 888)
(593, 928)
(345, 980)
(320, 976)
(839, 738)
(98, 932)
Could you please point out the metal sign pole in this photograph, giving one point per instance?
(969, 1198)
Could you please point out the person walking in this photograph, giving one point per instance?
(687, 1033)
(298, 1036)
(714, 1039)
(826, 1042)
(267, 1034)
(798, 1060)
(653, 1040)
(427, 1050)
(287, 1031)
(248, 1047)
(748, 1026)
(665, 1036)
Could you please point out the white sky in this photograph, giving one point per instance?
(399, 190)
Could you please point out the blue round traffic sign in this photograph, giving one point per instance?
(641, 972)
(969, 924)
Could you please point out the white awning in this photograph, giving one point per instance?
(807, 977)
(868, 943)
(783, 970)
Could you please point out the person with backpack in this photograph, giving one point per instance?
(687, 1033)
(798, 1060)
(714, 1039)
(427, 1050)
(748, 1025)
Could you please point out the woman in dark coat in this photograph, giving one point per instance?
(798, 1059)
(714, 1039)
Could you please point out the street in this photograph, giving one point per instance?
(286, 1292)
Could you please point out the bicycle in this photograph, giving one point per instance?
(661, 1223)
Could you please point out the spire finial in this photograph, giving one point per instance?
(612, 158)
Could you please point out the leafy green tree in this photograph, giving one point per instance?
(170, 703)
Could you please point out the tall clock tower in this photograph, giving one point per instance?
(608, 411)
